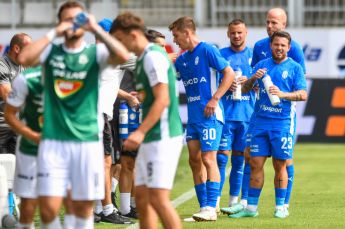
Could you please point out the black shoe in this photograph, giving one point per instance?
(96, 217)
(132, 214)
(115, 218)
(113, 199)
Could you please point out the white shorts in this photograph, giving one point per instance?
(156, 163)
(77, 164)
(25, 177)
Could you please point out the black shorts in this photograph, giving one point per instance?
(107, 137)
(8, 140)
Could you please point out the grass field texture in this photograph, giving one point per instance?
(318, 197)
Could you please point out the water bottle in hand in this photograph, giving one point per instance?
(80, 20)
(268, 83)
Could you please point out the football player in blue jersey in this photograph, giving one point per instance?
(274, 127)
(197, 69)
(237, 112)
(276, 21)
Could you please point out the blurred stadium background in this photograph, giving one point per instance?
(318, 25)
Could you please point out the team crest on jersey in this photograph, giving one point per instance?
(196, 61)
(285, 74)
(83, 59)
(65, 88)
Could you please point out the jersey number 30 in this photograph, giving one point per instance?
(209, 134)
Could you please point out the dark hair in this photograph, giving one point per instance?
(183, 23)
(69, 4)
(237, 21)
(151, 35)
(18, 39)
(281, 34)
(127, 22)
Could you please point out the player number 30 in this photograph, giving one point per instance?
(209, 134)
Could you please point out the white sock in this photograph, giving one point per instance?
(133, 204)
(82, 223)
(114, 183)
(218, 201)
(25, 226)
(280, 207)
(108, 209)
(233, 200)
(125, 201)
(244, 202)
(286, 206)
(69, 221)
(55, 224)
(252, 208)
(98, 207)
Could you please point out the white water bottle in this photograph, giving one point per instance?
(268, 83)
(237, 94)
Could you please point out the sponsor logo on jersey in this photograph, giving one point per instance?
(194, 80)
(243, 97)
(271, 109)
(196, 61)
(65, 88)
(264, 53)
(285, 74)
(193, 98)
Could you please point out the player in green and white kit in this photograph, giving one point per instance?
(71, 146)
(26, 98)
(160, 134)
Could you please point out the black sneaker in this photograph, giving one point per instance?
(97, 217)
(132, 214)
(113, 199)
(115, 218)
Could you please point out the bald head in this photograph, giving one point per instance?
(18, 41)
(276, 20)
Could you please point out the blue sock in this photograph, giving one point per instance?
(236, 175)
(201, 194)
(245, 181)
(280, 194)
(253, 196)
(212, 193)
(222, 160)
(291, 172)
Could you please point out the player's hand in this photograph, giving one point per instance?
(210, 107)
(63, 27)
(91, 24)
(234, 84)
(133, 101)
(274, 90)
(172, 56)
(36, 137)
(259, 73)
(133, 141)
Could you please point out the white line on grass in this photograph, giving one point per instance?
(178, 201)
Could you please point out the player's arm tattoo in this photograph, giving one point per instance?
(248, 85)
(300, 95)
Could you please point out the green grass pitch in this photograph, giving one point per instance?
(318, 197)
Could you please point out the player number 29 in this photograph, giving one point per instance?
(209, 134)
(287, 142)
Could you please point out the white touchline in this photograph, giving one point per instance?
(179, 200)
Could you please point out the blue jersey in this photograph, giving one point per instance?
(288, 76)
(197, 70)
(262, 50)
(240, 110)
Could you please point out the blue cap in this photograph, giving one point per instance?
(105, 24)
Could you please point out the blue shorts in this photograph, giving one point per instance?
(207, 133)
(276, 143)
(234, 136)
